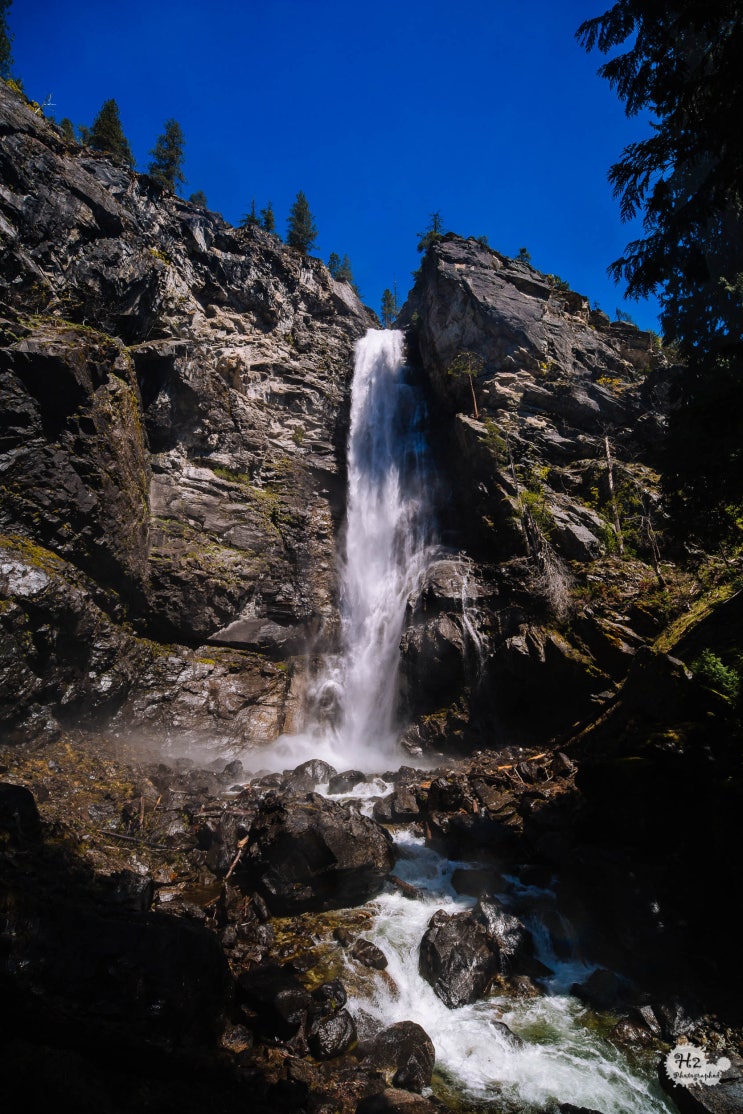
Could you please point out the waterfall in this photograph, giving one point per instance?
(388, 541)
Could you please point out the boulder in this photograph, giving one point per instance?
(307, 776)
(509, 939)
(455, 957)
(329, 1037)
(314, 854)
(19, 816)
(404, 1054)
(369, 954)
(276, 999)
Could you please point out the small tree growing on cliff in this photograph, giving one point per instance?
(469, 364)
(389, 308)
(166, 166)
(433, 233)
(198, 197)
(107, 134)
(302, 230)
(250, 218)
(268, 220)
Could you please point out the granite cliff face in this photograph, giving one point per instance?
(174, 395)
(548, 419)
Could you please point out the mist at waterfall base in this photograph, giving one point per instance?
(389, 542)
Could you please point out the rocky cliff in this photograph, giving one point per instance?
(174, 395)
(548, 419)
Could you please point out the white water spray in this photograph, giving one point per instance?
(388, 545)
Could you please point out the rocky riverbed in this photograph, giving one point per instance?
(201, 930)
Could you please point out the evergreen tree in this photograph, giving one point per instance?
(68, 129)
(107, 133)
(302, 230)
(198, 198)
(345, 272)
(389, 308)
(524, 256)
(6, 39)
(251, 218)
(683, 68)
(433, 233)
(168, 157)
(268, 220)
(340, 269)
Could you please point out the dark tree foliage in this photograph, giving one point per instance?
(251, 218)
(198, 197)
(107, 134)
(268, 220)
(302, 230)
(340, 269)
(6, 40)
(524, 255)
(682, 64)
(68, 129)
(389, 308)
(168, 157)
(433, 232)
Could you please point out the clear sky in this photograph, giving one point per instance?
(382, 113)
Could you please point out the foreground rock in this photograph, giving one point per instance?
(404, 1054)
(314, 854)
(461, 953)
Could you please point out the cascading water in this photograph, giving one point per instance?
(388, 544)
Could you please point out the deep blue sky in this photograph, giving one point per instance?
(485, 110)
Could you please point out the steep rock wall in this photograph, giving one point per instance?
(548, 419)
(174, 398)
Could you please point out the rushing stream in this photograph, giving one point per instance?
(564, 1055)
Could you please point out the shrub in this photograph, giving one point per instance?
(713, 672)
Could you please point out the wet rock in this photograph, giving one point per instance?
(456, 959)
(509, 1038)
(393, 1100)
(629, 1032)
(345, 781)
(315, 854)
(331, 1036)
(19, 816)
(329, 997)
(667, 1020)
(475, 881)
(306, 777)
(400, 806)
(509, 939)
(404, 1054)
(604, 990)
(276, 1000)
(369, 954)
